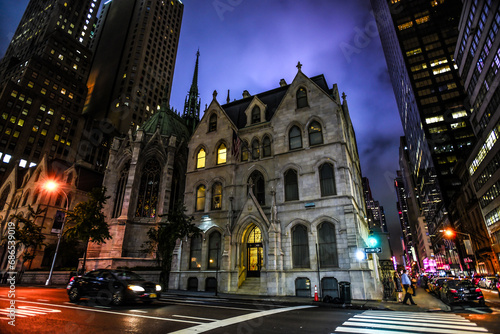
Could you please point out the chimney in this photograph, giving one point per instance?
(282, 83)
(246, 93)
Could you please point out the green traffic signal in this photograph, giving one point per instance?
(372, 241)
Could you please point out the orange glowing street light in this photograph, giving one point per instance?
(449, 233)
(53, 186)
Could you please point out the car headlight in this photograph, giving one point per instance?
(136, 288)
(158, 287)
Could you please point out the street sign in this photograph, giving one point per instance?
(373, 250)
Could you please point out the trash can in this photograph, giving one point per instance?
(345, 292)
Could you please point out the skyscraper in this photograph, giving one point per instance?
(419, 39)
(478, 57)
(43, 82)
(135, 52)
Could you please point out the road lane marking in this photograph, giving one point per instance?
(43, 300)
(189, 317)
(231, 321)
(378, 322)
(140, 311)
(212, 306)
(112, 312)
(438, 321)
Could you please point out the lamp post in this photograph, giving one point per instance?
(450, 233)
(51, 186)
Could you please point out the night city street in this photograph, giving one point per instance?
(47, 310)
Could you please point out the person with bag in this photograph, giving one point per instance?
(407, 284)
(398, 286)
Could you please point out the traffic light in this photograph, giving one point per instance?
(372, 240)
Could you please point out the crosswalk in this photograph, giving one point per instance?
(389, 322)
(26, 311)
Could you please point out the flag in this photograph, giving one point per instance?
(236, 144)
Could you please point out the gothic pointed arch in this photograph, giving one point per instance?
(257, 182)
(147, 199)
(120, 190)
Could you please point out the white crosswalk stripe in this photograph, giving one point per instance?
(27, 311)
(385, 322)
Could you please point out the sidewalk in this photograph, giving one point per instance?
(424, 300)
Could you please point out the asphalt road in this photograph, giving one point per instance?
(47, 310)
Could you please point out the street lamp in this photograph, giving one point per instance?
(52, 186)
(450, 233)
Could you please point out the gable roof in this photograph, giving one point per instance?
(272, 98)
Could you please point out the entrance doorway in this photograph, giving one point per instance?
(255, 252)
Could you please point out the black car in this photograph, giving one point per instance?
(461, 290)
(112, 287)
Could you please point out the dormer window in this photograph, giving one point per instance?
(301, 98)
(255, 115)
(212, 123)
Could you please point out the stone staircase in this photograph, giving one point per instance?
(251, 286)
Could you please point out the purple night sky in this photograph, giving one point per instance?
(253, 44)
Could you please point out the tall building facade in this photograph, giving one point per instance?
(135, 53)
(43, 79)
(269, 177)
(478, 56)
(419, 39)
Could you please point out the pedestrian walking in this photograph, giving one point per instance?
(407, 284)
(398, 286)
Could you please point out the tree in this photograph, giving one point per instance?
(88, 221)
(163, 238)
(28, 234)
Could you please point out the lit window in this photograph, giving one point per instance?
(422, 19)
(200, 198)
(16, 134)
(61, 57)
(221, 154)
(405, 25)
(31, 84)
(201, 159)
(441, 70)
(43, 91)
(413, 52)
(22, 163)
(6, 158)
(20, 122)
(63, 91)
(459, 114)
(435, 119)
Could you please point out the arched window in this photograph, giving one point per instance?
(300, 247)
(70, 178)
(200, 198)
(120, 192)
(147, 199)
(3, 198)
(291, 185)
(35, 198)
(244, 151)
(212, 123)
(200, 158)
(25, 200)
(255, 115)
(315, 135)
(195, 252)
(67, 203)
(327, 245)
(216, 196)
(327, 180)
(214, 247)
(295, 138)
(256, 179)
(301, 98)
(221, 154)
(266, 147)
(255, 150)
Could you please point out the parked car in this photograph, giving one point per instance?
(476, 279)
(454, 291)
(488, 282)
(498, 287)
(112, 287)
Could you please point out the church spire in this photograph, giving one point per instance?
(192, 103)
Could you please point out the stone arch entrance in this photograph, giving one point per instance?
(254, 251)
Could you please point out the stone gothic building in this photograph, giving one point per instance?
(274, 182)
(145, 177)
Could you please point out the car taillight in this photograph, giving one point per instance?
(453, 291)
(478, 290)
(72, 279)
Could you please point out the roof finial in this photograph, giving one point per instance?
(214, 94)
(227, 100)
(299, 66)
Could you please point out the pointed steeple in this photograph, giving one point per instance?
(192, 103)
